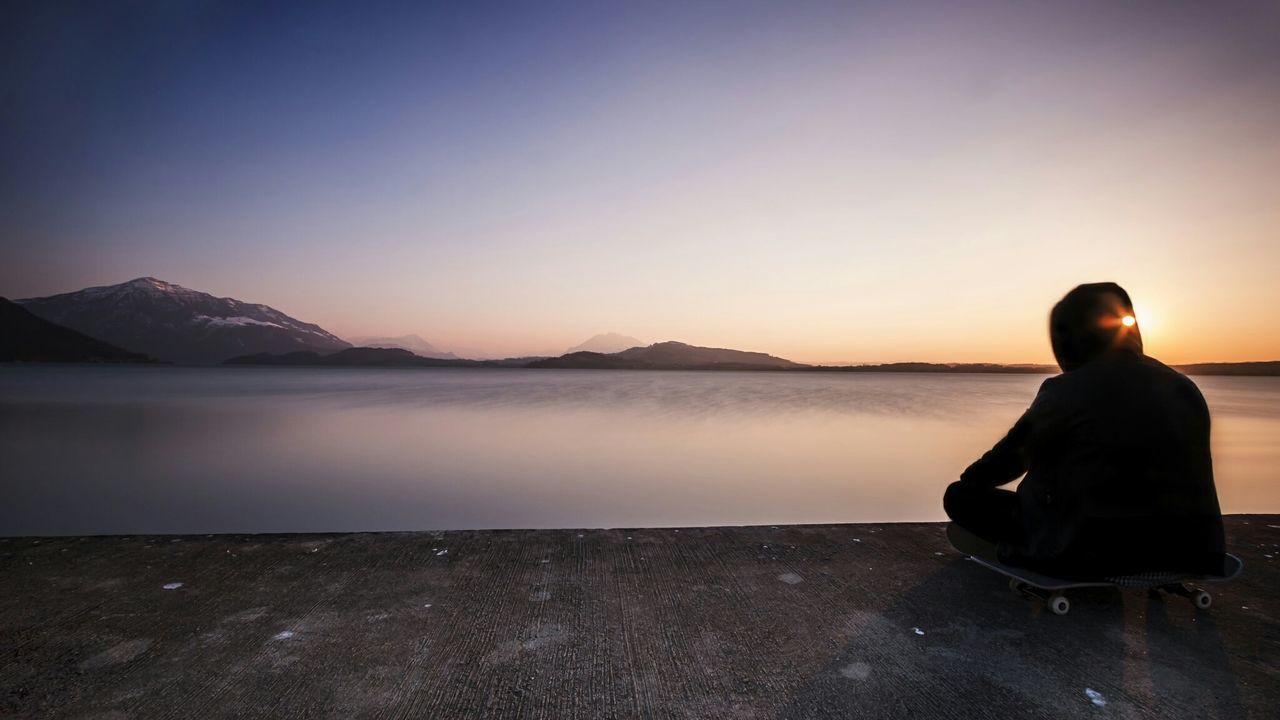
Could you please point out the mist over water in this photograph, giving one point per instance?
(87, 450)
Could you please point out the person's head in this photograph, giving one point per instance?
(1090, 320)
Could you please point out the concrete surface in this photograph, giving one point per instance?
(756, 622)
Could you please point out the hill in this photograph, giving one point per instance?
(27, 338)
(669, 355)
(413, 343)
(356, 357)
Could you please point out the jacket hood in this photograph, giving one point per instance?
(1091, 321)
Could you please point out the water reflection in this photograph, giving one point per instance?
(133, 450)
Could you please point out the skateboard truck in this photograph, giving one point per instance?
(1057, 602)
(1200, 598)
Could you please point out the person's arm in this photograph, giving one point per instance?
(1011, 457)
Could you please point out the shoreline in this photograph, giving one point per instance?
(1245, 369)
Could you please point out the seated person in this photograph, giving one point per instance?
(1118, 478)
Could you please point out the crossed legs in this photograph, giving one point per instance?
(990, 513)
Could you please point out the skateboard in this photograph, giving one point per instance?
(1050, 590)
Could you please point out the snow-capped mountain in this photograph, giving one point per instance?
(606, 343)
(413, 343)
(178, 324)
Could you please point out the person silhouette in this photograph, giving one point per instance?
(1115, 450)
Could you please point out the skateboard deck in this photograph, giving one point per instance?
(1050, 589)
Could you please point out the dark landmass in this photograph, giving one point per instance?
(515, 362)
(792, 622)
(356, 357)
(663, 356)
(677, 353)
(178, 324)
(669, 355)
(1243, 369)
(27, 338)
(413, 343)
(679, 356)
(585, 359)
(1238, 369)
(372, 357)
(916, 367)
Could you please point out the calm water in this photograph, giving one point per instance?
(194, 450)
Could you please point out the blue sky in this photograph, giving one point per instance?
(825, 181)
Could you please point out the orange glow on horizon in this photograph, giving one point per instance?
(842, 185)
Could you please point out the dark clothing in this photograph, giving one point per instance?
(1118, 478)
(988, 512)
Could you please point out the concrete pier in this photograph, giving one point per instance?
(876, 621)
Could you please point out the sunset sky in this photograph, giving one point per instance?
(828, 182)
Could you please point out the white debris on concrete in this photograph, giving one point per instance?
(856, 671)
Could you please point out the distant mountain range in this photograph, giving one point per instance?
(680, 356)
(146, 319)
(173, 323)
(27, 338)
(605, 343)
(412, 343)
(660, 356)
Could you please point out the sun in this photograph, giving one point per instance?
(1128, 321)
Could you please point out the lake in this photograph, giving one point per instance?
(131, 450)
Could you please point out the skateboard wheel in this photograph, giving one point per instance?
(1015, 586)
(1202, 599)
(1059, 605)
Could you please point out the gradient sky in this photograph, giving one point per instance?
(829, 182)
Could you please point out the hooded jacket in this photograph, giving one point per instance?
(1119, 477)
